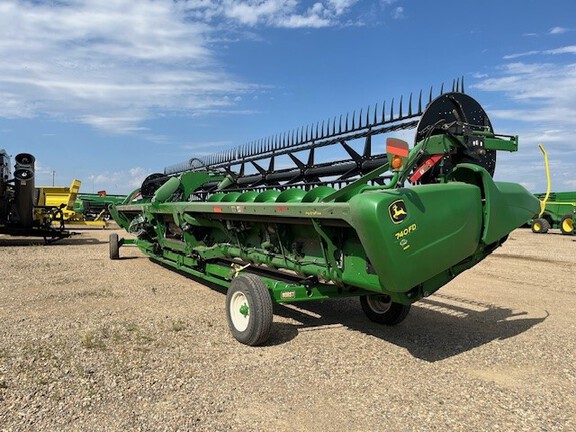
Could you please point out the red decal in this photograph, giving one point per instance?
(282, 208)
(422, 169)
(217, 209)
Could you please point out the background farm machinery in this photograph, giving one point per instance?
(77, 208)
(65, 198)
(559, 212)
(557, 209)
(21, 212)
(94, 206)
(349, 226)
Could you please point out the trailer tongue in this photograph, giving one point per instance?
(349, 226)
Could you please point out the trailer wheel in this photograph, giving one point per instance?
(381, 309)
(114, 246)
(249, 310)
(540, 226)
(567, 224)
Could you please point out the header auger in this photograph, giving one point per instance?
(346, 227)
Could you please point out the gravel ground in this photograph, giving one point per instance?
(92, 344)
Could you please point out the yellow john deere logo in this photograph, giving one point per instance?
(397, 211)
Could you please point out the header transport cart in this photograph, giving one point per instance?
(347, 227)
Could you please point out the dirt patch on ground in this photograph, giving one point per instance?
(87, 343)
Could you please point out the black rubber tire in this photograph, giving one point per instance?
(540, 226)
(114, 246)
(251, 326)
(380, 309)
(567, 224)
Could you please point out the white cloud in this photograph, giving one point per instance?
(398, 13)
(551, 88)
(341, 6)
(286, 13)
(564, 50)
(541, 110)
(117, 181)
(517, 55)
(124, 123)
(570, 49)
(108, 64)
(114, 64)
(558, 30)
(299, 21)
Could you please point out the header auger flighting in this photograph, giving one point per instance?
(346, 227)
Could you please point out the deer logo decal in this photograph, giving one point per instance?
(397, 211)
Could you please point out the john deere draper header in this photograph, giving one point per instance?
(390, 227)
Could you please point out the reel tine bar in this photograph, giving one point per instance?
(322, 134)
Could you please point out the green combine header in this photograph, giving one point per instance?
(390, 227)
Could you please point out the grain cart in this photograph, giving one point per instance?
(557, 209)
(347, 227)
(20, 212)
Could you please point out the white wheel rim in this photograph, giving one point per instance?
(378, 303)
(239, 311)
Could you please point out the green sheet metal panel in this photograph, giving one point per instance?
(413, 234)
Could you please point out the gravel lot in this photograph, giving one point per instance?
(92, 344)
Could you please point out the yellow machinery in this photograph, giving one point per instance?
(64, 198)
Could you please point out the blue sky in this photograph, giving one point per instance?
(111, 91)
